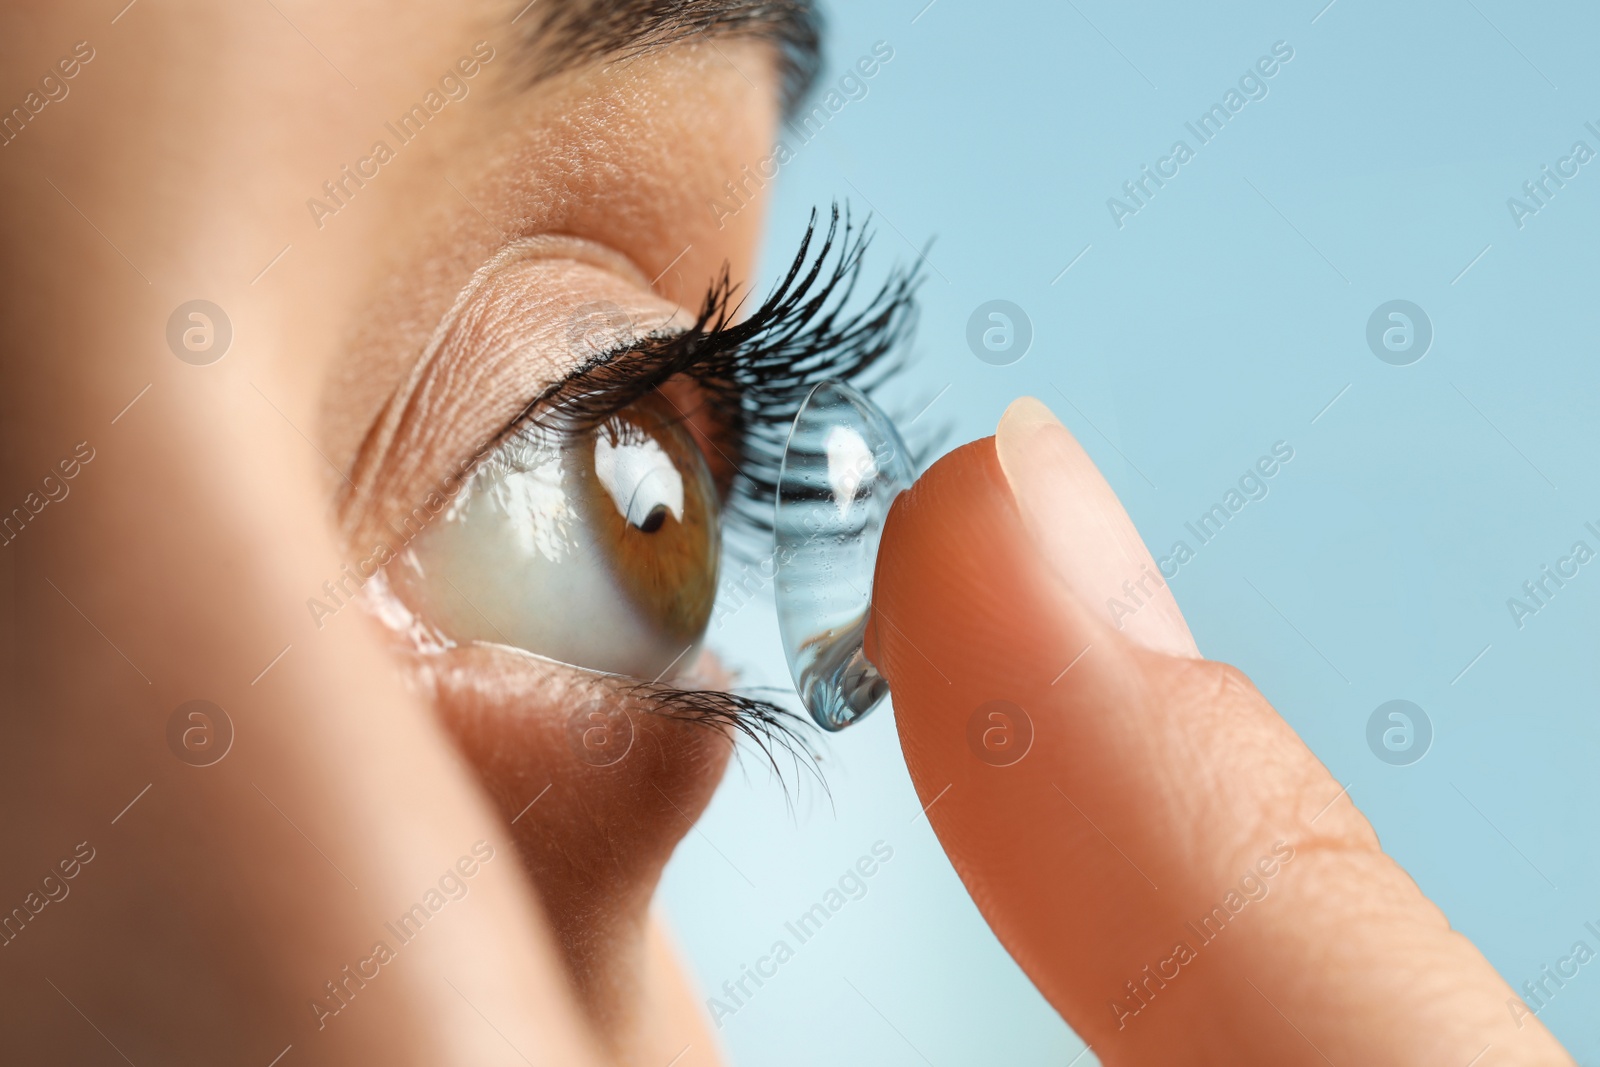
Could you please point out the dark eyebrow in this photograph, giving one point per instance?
(563, 34)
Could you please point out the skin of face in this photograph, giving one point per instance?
(220, 906)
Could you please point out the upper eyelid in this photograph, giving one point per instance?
(500, 339)
(797, 302)
(550, 246)
(614, 357)
(758, 369)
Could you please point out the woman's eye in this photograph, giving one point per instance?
(597, 548)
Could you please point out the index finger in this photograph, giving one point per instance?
(1174, 869)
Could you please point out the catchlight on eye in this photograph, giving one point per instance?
(842, 468)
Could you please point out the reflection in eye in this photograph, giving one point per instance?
(639, 476)
(596, 548)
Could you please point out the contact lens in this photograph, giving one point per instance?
(843, 466)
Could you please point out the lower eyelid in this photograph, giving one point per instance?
(591, 781)
(494, 689)
(500, 699)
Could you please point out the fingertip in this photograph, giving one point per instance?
(1100, 791)
(1082, 531)
(953, 591)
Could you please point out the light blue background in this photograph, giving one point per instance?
(1221, 318)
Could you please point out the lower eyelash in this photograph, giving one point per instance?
(754, 372)
(771, 728)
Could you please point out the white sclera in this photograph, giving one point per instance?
(842, 468)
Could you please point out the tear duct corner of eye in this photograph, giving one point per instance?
(842, 468)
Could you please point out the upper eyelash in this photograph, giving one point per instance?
(753, 372)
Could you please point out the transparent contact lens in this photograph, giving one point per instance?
(842, 468)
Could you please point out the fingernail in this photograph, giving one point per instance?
(1082, 531)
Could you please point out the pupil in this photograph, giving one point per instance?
(655, 520)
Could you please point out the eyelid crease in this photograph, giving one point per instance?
(541, 246)
(480, 350)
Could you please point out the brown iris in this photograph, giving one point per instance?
(652, 508)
